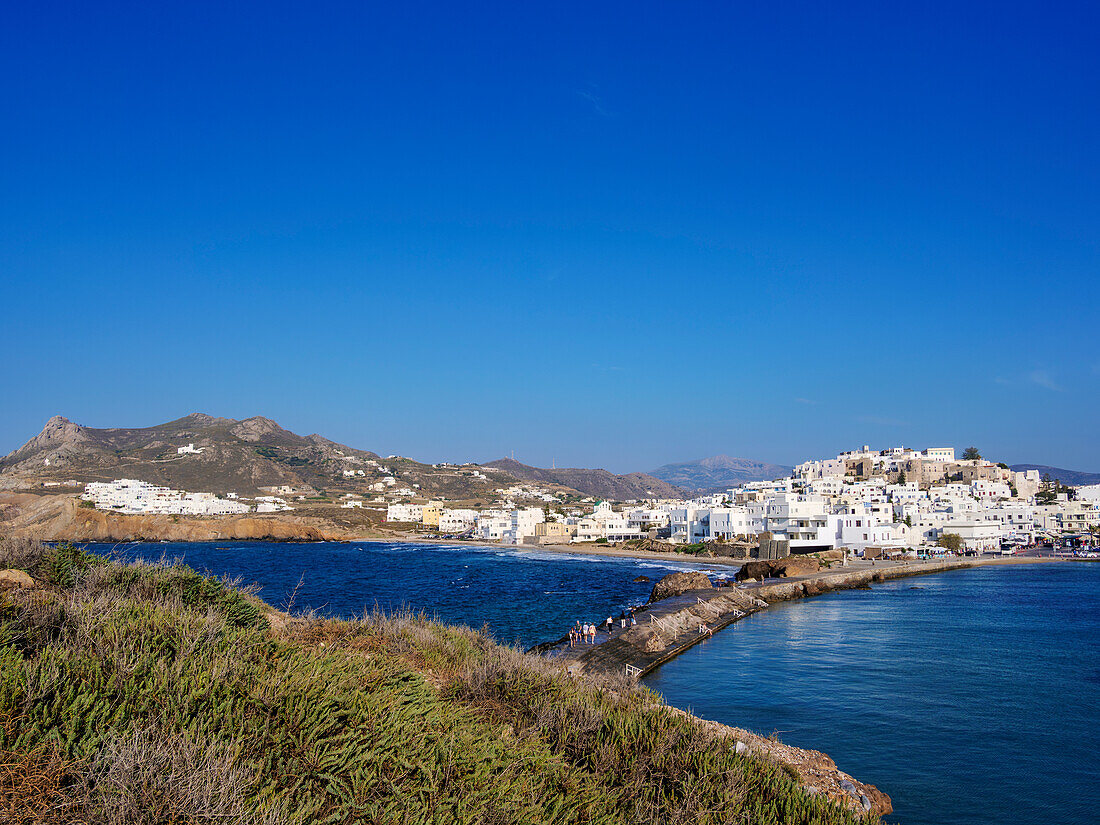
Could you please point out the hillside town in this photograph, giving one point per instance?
(890, 500)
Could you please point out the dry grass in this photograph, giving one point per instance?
(156, 776)
(19, 553)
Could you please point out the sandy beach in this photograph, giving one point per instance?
(651, 555)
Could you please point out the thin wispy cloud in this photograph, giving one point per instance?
(597, 103)
(1035, 378)
(1042, 378)
(805, 401)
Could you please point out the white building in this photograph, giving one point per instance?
(457, 521)
(127, 495)
(405, 512)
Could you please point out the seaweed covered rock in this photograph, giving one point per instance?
(676, 583)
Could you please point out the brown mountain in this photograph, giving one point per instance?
(235, 456)
(598, 483)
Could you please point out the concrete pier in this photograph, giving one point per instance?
(667, 628)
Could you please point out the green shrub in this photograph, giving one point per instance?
(171, 700)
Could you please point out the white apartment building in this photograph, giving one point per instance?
(457, 521)
(493, 525)
(523, 524)
(945, 455)
(127, 495)
(405, 512)
(984, 490)
(689, 525)
(645, 519)
(727, 523)
(271, 504)
(604, 523)
(815, 470)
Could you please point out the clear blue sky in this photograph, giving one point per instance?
(615, 234)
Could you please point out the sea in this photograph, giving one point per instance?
(522, 597)
(969, 696)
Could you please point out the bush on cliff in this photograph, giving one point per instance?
(146, 693)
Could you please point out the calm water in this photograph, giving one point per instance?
(522, 595)
(972, 696)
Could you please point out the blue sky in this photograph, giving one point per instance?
(612, 234)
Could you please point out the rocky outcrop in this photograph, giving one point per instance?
(15, 579)
(778, 568)
(676, 583)
(642, 579)
(817, 773)
(255, 428)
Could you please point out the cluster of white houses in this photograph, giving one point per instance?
(896, 498)
(127, 495)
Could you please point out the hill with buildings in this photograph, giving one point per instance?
(1074, 478)
(225, 455)
(598, 483)
(718, 473)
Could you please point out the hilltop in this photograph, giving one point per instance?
(718, 473)
(233, 456)
(597, 483)
(239, 456)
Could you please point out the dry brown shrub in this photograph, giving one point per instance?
(36, 788)
(159, 777)
(20, 553)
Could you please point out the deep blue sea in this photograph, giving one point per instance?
(524, 596)
(971, 696)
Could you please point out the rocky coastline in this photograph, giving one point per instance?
(61, 518)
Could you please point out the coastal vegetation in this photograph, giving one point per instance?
(138, 692)
(950, 541)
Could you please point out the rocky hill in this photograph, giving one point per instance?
(230, 456)
(597, 483)
(718, 473)
(1073, 478)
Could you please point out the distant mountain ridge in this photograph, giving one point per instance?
(594, 482)
(246, 456)
(718, 473)
(1074, 478)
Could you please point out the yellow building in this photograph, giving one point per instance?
(431, 513)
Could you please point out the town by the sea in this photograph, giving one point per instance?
(967, 696)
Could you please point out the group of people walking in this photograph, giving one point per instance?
(585, 633)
